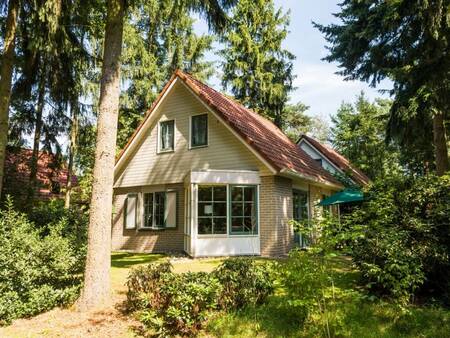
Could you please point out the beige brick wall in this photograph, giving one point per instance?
(277, 237)
(144, 240)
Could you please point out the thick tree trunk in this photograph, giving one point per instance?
(440, 144)
(72, 150)
(33, 182)
(7, 66)
(96, 290)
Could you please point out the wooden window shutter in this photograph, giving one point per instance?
(170, 214)
(131, 211)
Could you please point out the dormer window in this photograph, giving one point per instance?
(166, 136)
(318, 161)
(199, 131)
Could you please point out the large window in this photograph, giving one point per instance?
(243, 210)
(166, 135)
(212, 210)
(199, 130)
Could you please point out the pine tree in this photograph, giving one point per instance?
(407, 42)
(257, 69)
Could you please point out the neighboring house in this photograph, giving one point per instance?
(331, 160)
(204, 175)
(51, 175)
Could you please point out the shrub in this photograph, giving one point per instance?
(244, 282)
(400, 237)
(36, 272)
(169, 304)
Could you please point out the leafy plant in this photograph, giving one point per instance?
(37, 272)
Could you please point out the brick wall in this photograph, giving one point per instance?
(144, 240)
(277, 237)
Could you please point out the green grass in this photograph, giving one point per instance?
(352, 314)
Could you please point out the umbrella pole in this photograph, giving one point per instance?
(339, 214)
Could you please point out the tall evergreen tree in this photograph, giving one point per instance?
(408, 42)
(257, 69)
(359, 132)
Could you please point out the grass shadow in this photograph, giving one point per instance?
(127, 260)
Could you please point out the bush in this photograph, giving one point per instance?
(244, 282)
(169, 304)
(37, 272)
(400, 237)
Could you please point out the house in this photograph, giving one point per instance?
(331, 160)
(204, 175)
(51, 175)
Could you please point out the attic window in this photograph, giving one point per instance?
(318, 161)
(166, 135)
(199, 130)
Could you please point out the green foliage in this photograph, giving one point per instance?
(256, 67)
(400, 237)
(244, 282)
(371, 43)
(359, 133)
(179, 304)
(37, 271)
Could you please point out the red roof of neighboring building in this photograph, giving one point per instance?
(338, 160)
(261, 134)
(17, 171)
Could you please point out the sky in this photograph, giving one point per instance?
(316, 83)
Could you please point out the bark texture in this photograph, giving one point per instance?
(440, 144)
(7, 66)
(72, 151)
(96, 290)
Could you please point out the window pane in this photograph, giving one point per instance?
(205, 209)
(249, 193)
(249, 210)
(220, 225)
(159, 209)
(167, 135)
(236, 224)
(148, 209)
(220, 194)
(199, 132)
(220, 209)
(205, 194)
(236, 209)
(204, 226)
(236, 194)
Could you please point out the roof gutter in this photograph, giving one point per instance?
(296, 175)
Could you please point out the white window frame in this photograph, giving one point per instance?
(191, 134)
(227, 211)
(164, 151)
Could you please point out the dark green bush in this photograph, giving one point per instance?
(244, 282)
(169, 304)
(37, 272)
(400, 237)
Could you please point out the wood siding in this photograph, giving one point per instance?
(224, 151)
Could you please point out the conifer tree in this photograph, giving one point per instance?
(257, 68)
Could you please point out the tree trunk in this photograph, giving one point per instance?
(7, 66)
(33, 182)
(96, 290)
(72, 150)
(440, 144)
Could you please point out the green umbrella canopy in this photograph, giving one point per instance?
(344, 196)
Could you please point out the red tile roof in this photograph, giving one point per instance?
(338, 160)
(261, 134)
(17, 172)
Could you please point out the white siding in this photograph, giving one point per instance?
(224, 151)
(316, 155)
